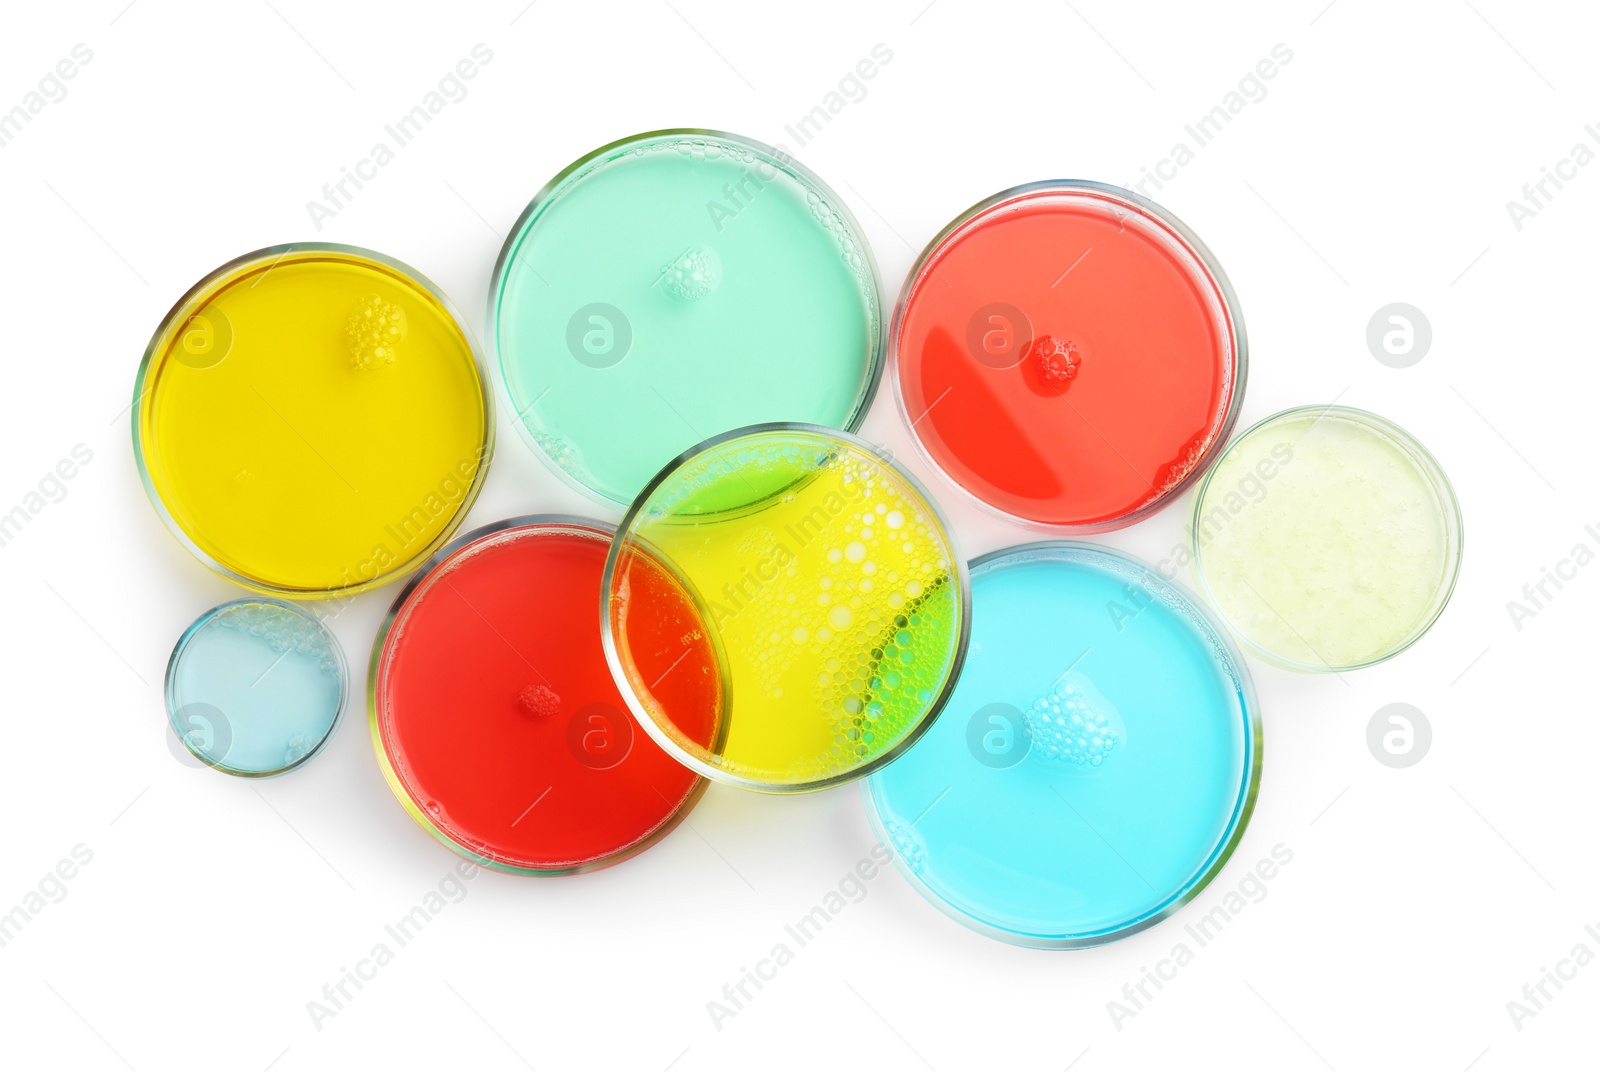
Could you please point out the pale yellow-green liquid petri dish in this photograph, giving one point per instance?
(1327, 537)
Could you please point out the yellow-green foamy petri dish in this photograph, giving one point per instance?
(828, 586)
(1327, 537)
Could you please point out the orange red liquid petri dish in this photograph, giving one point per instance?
(1069, 354)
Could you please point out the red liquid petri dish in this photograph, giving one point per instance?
(495, 717)
(1069, 354)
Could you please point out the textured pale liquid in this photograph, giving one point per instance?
(1339, 557)
(829, 587)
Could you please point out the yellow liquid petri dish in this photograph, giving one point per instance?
(310, 420)
(1328, 538)
(835, 601)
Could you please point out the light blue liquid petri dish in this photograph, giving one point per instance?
(255, 687)
(1097, 762)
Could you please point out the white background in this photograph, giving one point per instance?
(1377, 169)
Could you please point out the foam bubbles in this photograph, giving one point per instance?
(373, 332)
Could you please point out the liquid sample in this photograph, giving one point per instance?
(496, 719)
(670, 287)
(311, 420)
(1096, 763)
(1069, 355)
(829, 587)
(255, 687)
(1327, 537)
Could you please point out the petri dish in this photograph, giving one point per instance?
(673, 285)
(255, 687)
(829, 589)
(1327, 537)
(494, 716)
(310, 420)
(1096, 765)
(1069, 354)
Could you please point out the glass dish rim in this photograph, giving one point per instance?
(279, 252)
(553, 522)
(962, 588)
(1244, 804)
(169, 683)
(1232, 313)
(548, 192)
(1455, 533)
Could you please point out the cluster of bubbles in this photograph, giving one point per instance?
(1057, 361)
(1179, 469)
(1067, 724)
(889, 688)
(282, 629)
(698, 149)
(845, 594)
(844, 236)
(540, 701)
(906, 846)
(299, 747)
(562, 452)
(373, 333)
(694, 275)
(880, 625)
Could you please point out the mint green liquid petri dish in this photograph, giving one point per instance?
(672, 286)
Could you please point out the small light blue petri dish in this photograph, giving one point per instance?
(1097, 762)
(255, 687)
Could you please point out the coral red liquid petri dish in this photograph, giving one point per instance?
(1069, 354)
(495, 717)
